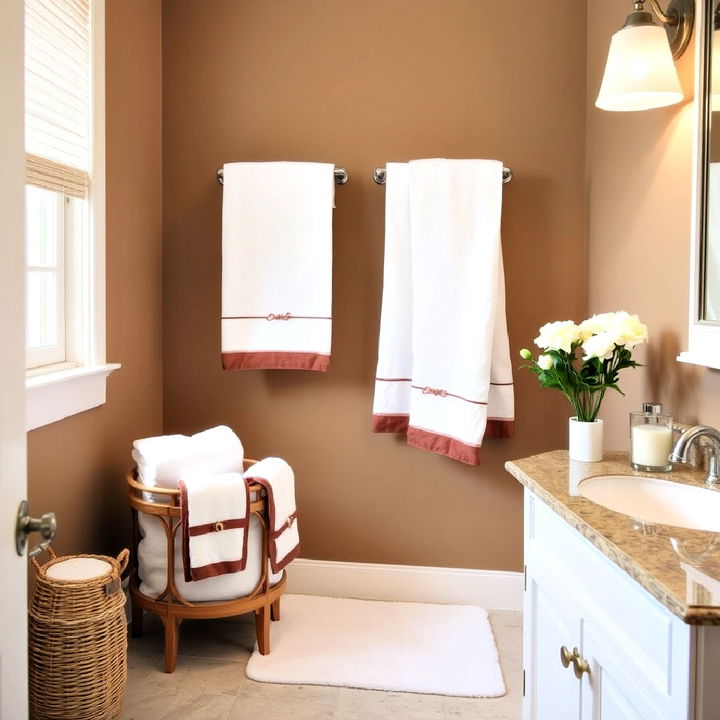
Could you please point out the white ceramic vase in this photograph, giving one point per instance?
(585, 440)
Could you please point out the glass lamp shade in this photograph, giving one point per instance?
(640, 73)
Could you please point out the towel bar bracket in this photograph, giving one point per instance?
(341, 176)
(380, 175)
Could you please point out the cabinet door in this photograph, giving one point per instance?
(552, 692)
(609, 691)
(639, 653)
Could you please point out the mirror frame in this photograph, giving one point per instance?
(703, 336)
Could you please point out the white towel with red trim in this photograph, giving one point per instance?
(277, 265)
(450, 385)
(215, 515)
(278, 479)
(391, 406)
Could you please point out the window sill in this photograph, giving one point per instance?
(52, 396)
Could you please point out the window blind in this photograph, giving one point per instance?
(58, 95)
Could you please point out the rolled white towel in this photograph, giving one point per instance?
(162, 460)
(150, 452)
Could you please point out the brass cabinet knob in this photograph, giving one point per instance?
(579, 663)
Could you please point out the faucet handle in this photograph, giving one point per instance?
(691, 437)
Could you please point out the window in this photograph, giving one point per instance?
(64, 208)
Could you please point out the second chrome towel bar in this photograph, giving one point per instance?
(341, 176)
(380, 175)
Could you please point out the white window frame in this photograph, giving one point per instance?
(58, 391)
(36, 359)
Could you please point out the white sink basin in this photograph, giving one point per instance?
(656, 501)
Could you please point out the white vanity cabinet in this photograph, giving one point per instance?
(640, 657)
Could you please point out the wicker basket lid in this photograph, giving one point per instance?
(78, 569)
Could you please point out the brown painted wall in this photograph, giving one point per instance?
(360, 84)
(640, 182)
(76, 466)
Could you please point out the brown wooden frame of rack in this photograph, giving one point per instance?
(170, 606)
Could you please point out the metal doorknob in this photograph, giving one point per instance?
(24, 525)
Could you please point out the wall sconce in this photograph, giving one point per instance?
(640, 73)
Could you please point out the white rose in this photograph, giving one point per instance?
(600, 346)
(545, 362)
(596, 324)
(558, 335)
(629, 330)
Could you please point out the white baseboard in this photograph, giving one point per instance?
(491, 589)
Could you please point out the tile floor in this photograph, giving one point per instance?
(210, 684)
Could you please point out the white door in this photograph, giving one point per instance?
(13, 482)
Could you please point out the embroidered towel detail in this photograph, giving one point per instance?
(214, 524)
(440, 392)
(277, 265)
(443, 309)
(277, 316)
(278, 479)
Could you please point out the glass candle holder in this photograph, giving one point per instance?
(650, 441)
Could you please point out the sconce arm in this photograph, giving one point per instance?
(671, 19)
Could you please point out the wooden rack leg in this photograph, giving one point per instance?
(275, 610)
(262, 629)
(171, 642)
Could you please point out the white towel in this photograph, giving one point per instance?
(215, 514)
(162, 460)
(391, 405)
(452, 383)
(277, 265)
(278, 479)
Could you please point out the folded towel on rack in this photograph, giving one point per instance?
(451, 384)
(215, 514)
(277, 265)
(162, 460)
(277, 477)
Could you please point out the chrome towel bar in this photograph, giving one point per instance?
(341, 176)
(380, 175)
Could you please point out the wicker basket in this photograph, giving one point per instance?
(78, 644)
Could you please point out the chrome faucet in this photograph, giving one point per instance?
(680, 451)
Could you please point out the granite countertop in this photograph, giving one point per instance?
(679, 567)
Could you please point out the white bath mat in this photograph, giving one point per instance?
(400, 646)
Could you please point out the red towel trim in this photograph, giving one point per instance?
(500, 428)
(275, 360)
(390, 423)
(444, 445)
